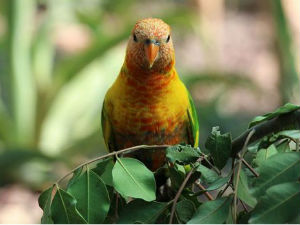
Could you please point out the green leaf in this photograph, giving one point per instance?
(45, 204)
(207, 175)
(177, 175)
(92, 196)
(219, 145)
(229, 219)
(264, 154)
(140, 211)
(294, 134)
(212, 211)
(280, 168)
(296, 220)
(243, 191)
(133, 179)
(115, 205)
(243, 217)
(184, 154)
(282, 110)
(75, 176)
(185, 209)
(281, 204)
(283, 146)
(64, 210)
(218, 183)
(104, 170)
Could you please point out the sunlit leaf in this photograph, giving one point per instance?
(63, 208)
(133, 179)
(92, 196)
(279, 205)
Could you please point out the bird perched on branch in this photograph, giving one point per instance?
(148, 103)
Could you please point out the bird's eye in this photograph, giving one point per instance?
(135, 38)
(168, 39)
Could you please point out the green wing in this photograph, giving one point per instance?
(193, 122)
(107, 130)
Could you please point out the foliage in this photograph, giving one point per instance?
(266, 186)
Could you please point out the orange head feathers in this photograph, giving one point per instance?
(150, 48)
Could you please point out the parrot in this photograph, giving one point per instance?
(148, 104)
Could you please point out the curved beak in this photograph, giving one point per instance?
(151, 51)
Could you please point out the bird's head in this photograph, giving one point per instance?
(150, 48)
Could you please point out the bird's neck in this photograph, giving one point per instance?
(150, 81)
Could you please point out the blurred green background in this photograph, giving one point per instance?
(58, 58)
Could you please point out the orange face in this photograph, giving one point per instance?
(150, 48)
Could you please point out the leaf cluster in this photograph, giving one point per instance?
(259, 185)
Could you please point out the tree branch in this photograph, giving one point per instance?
(126, 150)
(286, 121)
(249, 167)
(207, 194)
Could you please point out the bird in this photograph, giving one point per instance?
(148, 104)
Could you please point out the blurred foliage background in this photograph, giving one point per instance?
(58, 58)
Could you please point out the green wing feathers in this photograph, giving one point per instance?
(193, 120)
(107, 130)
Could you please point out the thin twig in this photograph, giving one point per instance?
(288, 137)
(238, 176)
(223, 191)
(131, 149)
(244, 206)
(231, 179)
(209, 163)
(249, 167)
(180, 190)
(207, 194)
(220, 194)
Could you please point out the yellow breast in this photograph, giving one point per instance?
(157, 103)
